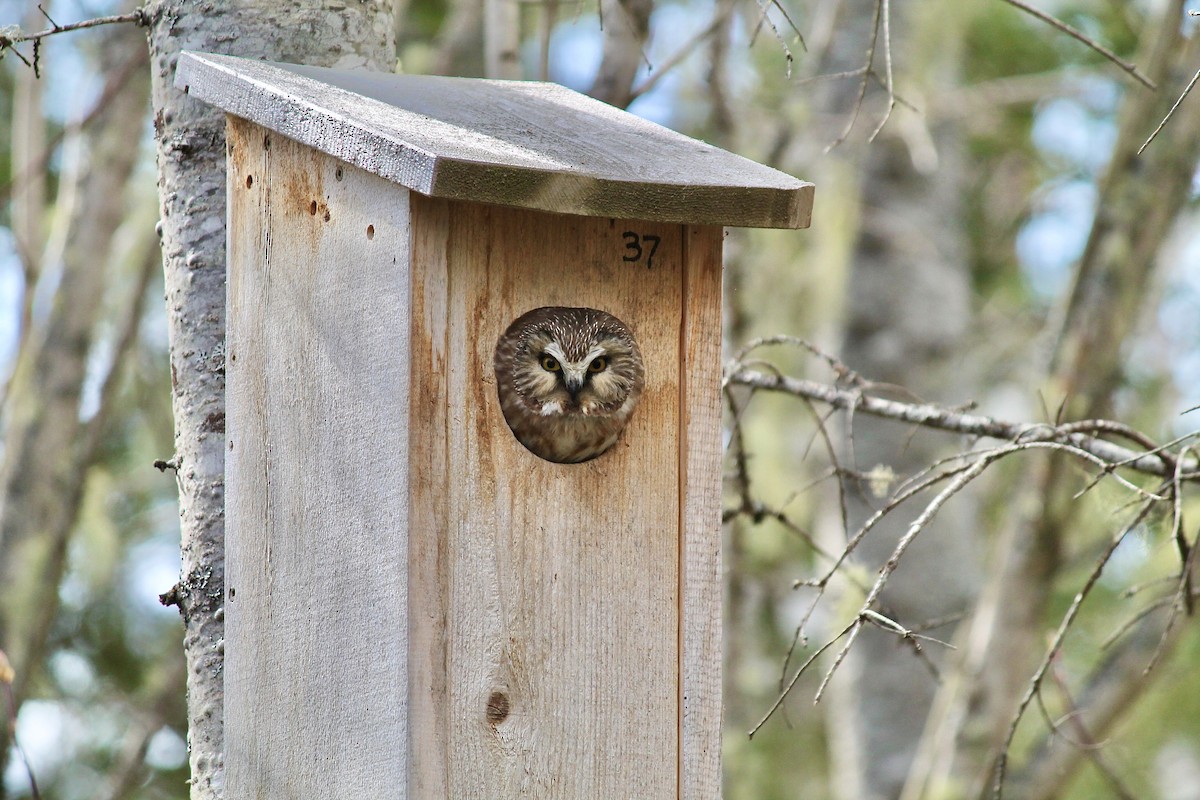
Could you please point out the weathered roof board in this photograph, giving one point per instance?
(525, 144)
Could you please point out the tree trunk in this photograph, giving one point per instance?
(626, 30)
(46, 452)
(191, 164)
(908, 307)
(1139, 199)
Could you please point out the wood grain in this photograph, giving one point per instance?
(559, 584)
(416, 604)
(317, 362)
(701, 580)
(518, 143)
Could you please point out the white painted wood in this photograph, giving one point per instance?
(318, 385)
(525, 144)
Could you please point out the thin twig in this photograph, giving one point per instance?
(765, 17)
(885, 572)
(1074, 33)
(800, 671)
(889, 84)
(1056, 643)
(14, 35)
(862, 86)
(1170, 113)
(682, 54)
(866, 612)
(1084, 740)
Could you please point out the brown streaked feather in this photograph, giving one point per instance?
(543, 416)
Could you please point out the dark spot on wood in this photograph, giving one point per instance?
(187, 88)
(267, 142)
(232, 592)
(249, 181)
(312, 208)
(370, 232)
(214, 423)
(327, 214)
(497, 708)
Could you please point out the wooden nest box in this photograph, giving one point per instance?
(418, 605)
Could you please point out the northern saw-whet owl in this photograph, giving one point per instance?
(568, 379)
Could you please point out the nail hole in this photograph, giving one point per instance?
(232, 592)
(370, 231)
(312, 208)
(187, 89)
(249, 181)
(337, 173)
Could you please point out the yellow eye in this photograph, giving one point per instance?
(598, 364)
(550, 363)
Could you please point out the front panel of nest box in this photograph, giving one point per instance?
(544, 597)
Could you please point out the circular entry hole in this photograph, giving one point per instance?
(568, 380)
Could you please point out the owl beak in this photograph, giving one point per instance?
(574, 382)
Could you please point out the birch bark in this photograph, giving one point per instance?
(191, 163)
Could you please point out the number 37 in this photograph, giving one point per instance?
(639, 245)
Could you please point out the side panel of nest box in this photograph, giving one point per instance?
(316, 464)
(418, 606)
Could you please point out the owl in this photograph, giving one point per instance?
(568, 379)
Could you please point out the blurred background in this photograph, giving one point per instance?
(983, 232)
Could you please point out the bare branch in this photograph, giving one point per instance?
(866, 76)
(889, 84)
(1057, 23)
(679, 56)
(1035, 682)
(931, 416)
(866, 613)
(792, 683)
(1170, 113)
(919, 524)
(13, 35)
(764, 17)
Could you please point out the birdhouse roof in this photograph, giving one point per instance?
(516, 143)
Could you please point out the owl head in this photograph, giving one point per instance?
(568, 379)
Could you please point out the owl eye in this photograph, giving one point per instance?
(598, 364)
(550, 363)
